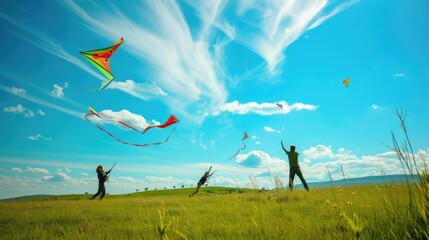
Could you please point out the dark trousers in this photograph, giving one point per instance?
(296, 170)
(101, 190)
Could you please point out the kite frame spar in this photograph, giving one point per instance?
(170, 121)
(100, 59)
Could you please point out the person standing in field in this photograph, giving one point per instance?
(102, 177)
(200, 183)
(294, 166)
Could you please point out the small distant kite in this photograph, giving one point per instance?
(279, 105)
(346, 82)
(244, 146)
(171, 120)
(100, 59)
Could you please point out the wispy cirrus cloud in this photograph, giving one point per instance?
(42, 102)
(263, 108)
(182, 62)
(273, 25)
(145, 91)
(48, 44)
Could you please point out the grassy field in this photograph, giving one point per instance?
(367, 212)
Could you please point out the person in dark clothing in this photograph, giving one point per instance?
(294, 166)
(203, 180)
(102, 178)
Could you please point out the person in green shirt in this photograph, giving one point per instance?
(294, 166)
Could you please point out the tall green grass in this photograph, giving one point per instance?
(214, 214)
(418, 183)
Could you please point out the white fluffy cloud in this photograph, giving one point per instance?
(37, 137)
(58, 177)
(17, 91)
(263, 108)
(19, 170)
(398, 75)
(58, 91)
(135, 120)
(19, 109)
(37, 170)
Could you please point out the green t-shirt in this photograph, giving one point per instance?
(293, 158)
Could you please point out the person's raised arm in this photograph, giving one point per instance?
(284, 149)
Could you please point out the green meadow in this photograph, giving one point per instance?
(387, 211)
(360, 212)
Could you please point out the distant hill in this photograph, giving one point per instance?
(23, 197)
(362, 181)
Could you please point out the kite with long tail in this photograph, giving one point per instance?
(171, 120)
(244, 146)
(100, 59)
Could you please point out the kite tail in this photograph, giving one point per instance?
(244, 147)
(133, 144)
(105, 84)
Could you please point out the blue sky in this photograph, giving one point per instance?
(220, 67)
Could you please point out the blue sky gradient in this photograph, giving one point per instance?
(220, 67)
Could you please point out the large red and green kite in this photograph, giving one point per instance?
(100, 59)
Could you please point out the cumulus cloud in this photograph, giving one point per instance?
(37, 137)
(19, 170)
(236, 107)
(41, 112)
(16, 91)
(398, 75)
(19, 109)
(270, 129)
(317, 152)
(260, 159)
(377, 107)
(37, 170)
(58, 177)
(127, 179)
(156, 179)
(126, 116)
(57, 91)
